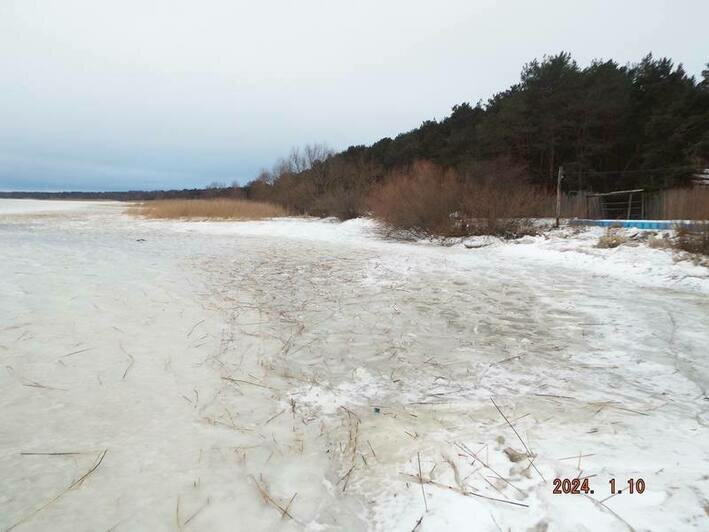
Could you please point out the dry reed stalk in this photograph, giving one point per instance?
(529, 453)
(74, 484)
(74, 453)
(274, 417)
(190, 518)
(76, 352)
(418, 524)
(423, 492)
(604, 507)
(470, 453)
(267, 498)
(34, 384)
(131, 360)
(346, 478)
(464, 492)
(194, 327)
(372, 449)
(231, 379)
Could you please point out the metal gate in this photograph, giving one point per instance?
(618, 205)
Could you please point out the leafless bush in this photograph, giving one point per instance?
(428, 200)
(423, 200)
(341, 202)
(504, 205)
(211, 208)
(693, 238)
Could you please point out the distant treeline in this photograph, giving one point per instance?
(135, 195)
(610, 126)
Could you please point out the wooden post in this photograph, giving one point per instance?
(558, 194)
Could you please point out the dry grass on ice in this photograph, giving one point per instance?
(221, 208)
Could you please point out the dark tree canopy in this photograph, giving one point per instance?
(610, 126)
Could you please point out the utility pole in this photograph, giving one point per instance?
(558, 194)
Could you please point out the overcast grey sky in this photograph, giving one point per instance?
(111, 95)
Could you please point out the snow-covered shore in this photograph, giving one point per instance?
(232, 371)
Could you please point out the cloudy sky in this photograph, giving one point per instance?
(120, 94)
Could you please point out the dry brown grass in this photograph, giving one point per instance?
(612, 238)
(220, 209)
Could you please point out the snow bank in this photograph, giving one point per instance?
(313, 229)
(573, 248)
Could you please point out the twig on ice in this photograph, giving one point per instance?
(55, 454)
(130, 364)
(274, 417)
(77, 352)
(231, 379)
(604, 507)
(372, 449)
(190, 518)
(346, 477)
(33, 384)
(194, 327)
(74, 484)
(529, 453)
(506, 360)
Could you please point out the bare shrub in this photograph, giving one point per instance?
(209, 208)
(611, 238)
(428, 200)
(422, 200)
(693, 238)
(504, 205)
(340, 202)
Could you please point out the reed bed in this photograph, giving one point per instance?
(219, 209)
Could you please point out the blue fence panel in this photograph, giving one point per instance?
(638, 224)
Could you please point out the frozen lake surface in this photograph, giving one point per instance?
(303, 374)
(34, 207)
